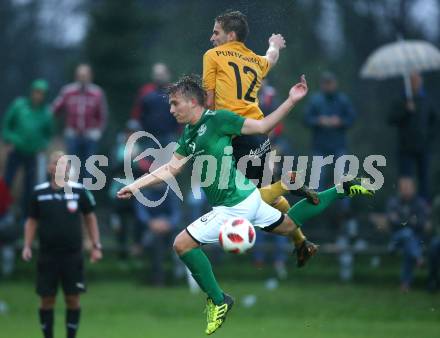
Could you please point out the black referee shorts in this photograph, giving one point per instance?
(252, 146)
(64, 269)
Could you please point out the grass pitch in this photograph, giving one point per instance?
(309, 304)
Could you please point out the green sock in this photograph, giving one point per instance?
(303, 210)
(201, 269)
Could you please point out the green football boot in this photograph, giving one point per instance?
(354, 187)
(216, 314)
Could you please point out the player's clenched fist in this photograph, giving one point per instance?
(277, 40)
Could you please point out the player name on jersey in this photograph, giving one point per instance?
(238, 55)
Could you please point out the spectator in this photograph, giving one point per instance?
(151, 108)
(27, 130)
(329, 114)
(434, 249)
(158, 223)
(85, 106)
(152, 111)
(122, 215)
(407, 214)
(8, 231)
(416, 122)
(162, 225)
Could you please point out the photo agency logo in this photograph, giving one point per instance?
(68, 168)
(338, 170)
(159, 157)
(208, 170)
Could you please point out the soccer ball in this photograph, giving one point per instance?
(237, 235)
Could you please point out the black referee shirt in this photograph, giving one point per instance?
(59, 216)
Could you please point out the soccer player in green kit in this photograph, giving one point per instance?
(231, 194)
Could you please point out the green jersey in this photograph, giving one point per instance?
(211, 138)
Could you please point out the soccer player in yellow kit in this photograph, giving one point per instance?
(232, 75)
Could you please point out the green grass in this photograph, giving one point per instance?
(303, 306)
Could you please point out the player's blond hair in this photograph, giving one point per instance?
(189, 86)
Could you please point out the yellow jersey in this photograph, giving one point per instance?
(235, 73)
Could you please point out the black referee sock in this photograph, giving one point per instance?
(72, 322)
(46, 321)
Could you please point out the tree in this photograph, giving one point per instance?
(114, 47)
(21, 48)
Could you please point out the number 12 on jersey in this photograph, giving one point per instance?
(246, 70)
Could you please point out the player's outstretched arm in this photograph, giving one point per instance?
(296, 93)
(161, 174)
(276, 43)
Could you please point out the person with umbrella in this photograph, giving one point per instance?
(416, 120)
(413, 115)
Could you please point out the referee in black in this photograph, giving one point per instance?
(57, 212)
